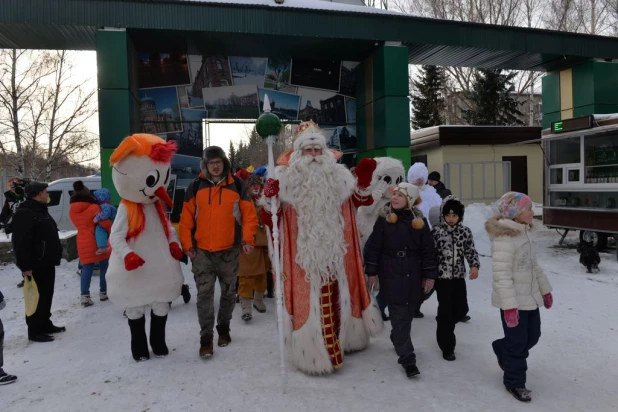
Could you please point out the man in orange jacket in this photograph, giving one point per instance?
(218, 219)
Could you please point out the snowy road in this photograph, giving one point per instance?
(574, 367)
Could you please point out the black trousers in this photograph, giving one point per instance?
(401, 322)
(452, 306)
(40, 321)
(1, 346)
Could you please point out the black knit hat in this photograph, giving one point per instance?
(33, 188)
(79, 188)
(453, 206)
(434, 176)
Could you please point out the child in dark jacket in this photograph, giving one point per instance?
(5, 378)
(400, 251)
(108, 211)
(453, 242)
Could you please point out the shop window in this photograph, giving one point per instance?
(565, 151)
(601, 158)
(584, 199)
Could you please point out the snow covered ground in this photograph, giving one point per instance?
(574, 367)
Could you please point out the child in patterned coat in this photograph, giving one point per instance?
(454, 244)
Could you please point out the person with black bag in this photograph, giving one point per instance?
(38, 252)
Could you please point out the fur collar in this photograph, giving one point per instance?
(498, 226)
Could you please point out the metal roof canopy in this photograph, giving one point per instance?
(259, 30)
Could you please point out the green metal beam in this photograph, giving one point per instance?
(71, 24)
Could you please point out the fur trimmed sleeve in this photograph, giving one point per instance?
(503, 257)
(472, 255)
(120, 229)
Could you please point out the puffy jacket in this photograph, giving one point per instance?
(35, 237)
(518, 280)
(82, 212)
(442, 190)
(401, 257)
(217, 216)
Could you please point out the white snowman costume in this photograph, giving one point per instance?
(429, 197)
(144, 269)
(388, 174)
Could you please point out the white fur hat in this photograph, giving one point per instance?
(410, 191)
(418, 171)
(308, 134)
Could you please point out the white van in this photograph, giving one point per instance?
(60, 192)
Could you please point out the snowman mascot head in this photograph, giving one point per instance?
(388, 174)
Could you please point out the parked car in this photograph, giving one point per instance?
(60, 192)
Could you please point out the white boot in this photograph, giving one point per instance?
(258, 301)
(245, 305)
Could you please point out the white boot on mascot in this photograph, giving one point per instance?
(144, 270)
(417, 175)
(389, 173)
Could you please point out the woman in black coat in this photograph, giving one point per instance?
(400, 251)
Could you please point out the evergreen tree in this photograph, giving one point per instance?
(232, 155)
(427, 103)
(492, 100)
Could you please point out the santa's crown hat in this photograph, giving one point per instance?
(308, 134)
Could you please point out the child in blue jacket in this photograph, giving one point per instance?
(108, 211)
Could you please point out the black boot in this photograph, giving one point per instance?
(411, 371)
(157, 335)
(521, 394)
(269, 285)
(186, 295)
(139, 344)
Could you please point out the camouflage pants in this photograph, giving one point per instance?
(206, 268)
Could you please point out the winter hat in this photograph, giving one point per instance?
(434, 176)
(102, 195)
(453, 207)
(413, 196)
(80, 189)
(308, 134)
(33, 188)
(254, 179)
(418, 171)
(513, 204)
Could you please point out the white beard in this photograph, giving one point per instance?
(320, 246)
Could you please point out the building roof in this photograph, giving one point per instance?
(439, 136)
(298, 28)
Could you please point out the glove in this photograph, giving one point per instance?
(364, 172)
(132, 261)
(511, 317)
(271, 188)
(428, 285)
(372, 282)
(176, 251)
(380, 188)
(548, 300)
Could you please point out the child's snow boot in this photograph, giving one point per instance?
(86, 301)
(157, 335)
(258, 302)
(103, 296)
(245, 305)
(139, 344)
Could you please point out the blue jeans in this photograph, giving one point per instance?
(512, 350)
(100, 234)
(87, 276)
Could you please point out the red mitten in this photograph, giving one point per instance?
(511, 317)
(364, 172)
(176, 251)
(548, 300)
(132, 261)
(271, 188)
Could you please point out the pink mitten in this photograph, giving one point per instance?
(428, 285)
(548, 300)
(511, 317)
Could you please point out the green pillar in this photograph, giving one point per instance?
(382, 105)
(588, 88)
(118, 96)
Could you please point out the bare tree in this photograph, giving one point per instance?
(21, 73)
(69, 106)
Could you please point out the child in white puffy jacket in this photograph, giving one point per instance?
(519, 288)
